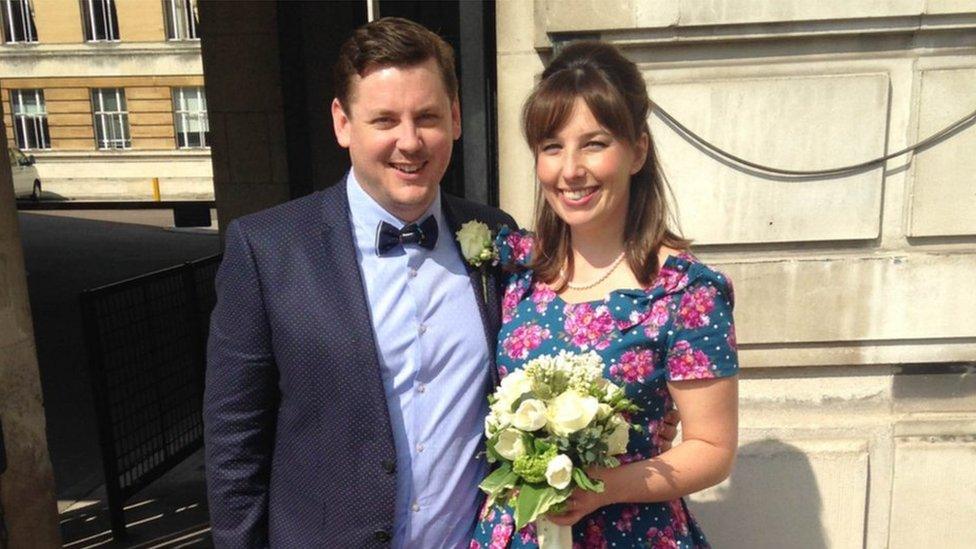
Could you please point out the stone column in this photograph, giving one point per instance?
(243, 80)
(27, 496)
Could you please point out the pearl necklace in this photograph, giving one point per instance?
(586, 286)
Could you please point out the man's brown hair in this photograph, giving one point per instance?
(391, 42)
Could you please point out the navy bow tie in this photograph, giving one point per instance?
(389, 237)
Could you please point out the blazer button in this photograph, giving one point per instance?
(389, 466)
(382, 535)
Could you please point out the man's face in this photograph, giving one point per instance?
(399, 127)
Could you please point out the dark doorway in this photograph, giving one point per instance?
(310, 34)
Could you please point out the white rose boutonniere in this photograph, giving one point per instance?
(478, 249)
(477, 245)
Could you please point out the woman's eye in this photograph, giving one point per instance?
(550, 147)
(596, 144)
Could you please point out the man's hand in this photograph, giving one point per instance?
(669, 429)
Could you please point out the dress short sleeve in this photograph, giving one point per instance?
(701, 341)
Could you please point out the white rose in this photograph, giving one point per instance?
(512, 387)
(559, 471)
(617, 442)
(510, 444)
(530, 416)
(570, 412)
(473, 237)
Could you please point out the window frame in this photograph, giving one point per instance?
(38, 120)
(182, 25)
(100, 117)
(110, 13)
(185, 115)
(27, 27)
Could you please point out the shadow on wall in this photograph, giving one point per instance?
(770, 501)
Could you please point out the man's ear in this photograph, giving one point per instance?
(456, 118)
(340, 123)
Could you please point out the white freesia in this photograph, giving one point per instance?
(476, 242)
(570, 412)
(559, 471)
(491, 425)
(530, 416)
(611, 390)
(510, 444)
(617, 442)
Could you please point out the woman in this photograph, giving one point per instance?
(605, 273)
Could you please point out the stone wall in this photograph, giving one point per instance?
(856, 317)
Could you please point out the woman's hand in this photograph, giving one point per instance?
(584, 502)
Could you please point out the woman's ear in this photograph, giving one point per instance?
(641, 148)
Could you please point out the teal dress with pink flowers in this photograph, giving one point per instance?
(679, 328)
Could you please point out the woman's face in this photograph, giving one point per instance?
(585, 171)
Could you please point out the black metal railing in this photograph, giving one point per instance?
(146, 339)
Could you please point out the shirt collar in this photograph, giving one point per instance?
(366, 213)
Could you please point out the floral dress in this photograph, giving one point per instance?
(679, 328)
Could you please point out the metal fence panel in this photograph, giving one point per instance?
(146, 340)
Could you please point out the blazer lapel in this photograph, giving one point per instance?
(346, 283)
(484, 283)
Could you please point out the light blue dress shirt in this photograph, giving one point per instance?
(435, 362)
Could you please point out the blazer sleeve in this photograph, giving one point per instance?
(240, 401)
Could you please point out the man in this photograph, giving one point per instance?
(351, 347)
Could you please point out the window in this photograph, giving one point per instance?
(111, 118)
(100, 20)
(181, 19)
(30, 119)
(18, 21)
(190, 113)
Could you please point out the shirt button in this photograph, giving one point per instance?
(412, 273)
(420, 447)
(415, 507)
(421, 329)
(421, 388)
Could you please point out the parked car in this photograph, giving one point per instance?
(27, 183)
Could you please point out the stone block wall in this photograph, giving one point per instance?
(854, 302)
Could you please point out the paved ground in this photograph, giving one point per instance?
(66, 252)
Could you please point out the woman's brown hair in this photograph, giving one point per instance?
(613, 89)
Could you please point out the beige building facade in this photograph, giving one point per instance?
(107, 95)
(855, 308)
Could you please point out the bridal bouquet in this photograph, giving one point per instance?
(547, 423)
